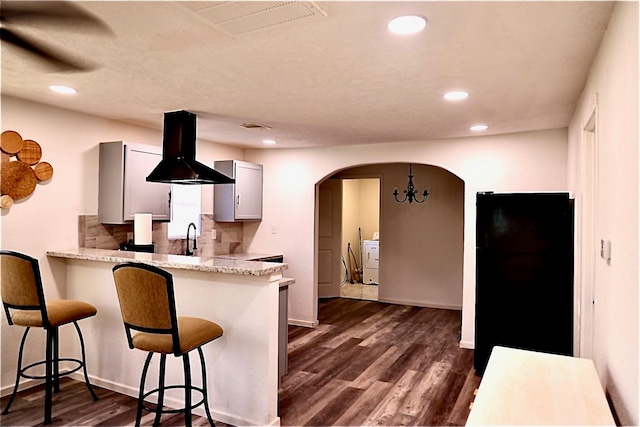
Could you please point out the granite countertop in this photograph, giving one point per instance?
(227, 264)
(286, 281)
(247, 256)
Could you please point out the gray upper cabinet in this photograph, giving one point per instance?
(241, 201)
(123, 189)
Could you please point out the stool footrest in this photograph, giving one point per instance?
(23, 371)
(172, 411)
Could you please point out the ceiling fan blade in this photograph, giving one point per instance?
(52, 13)
(57, 60)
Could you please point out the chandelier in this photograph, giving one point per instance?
(410, 193)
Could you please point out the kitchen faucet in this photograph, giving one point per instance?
(191, 252)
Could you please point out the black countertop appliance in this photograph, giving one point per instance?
(151, 248)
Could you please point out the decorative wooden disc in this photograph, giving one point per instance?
(30, 152)
(11, 142)
(44, 171)
(6, 201)
(18, 180)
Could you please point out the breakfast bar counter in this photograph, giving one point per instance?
(241, 296)
(228, 264)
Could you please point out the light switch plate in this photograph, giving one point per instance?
(605, 249)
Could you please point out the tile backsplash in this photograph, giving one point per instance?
(93, 234)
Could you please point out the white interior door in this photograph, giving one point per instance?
(329, 238)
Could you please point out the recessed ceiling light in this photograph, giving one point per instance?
(477, 128)
(456, 95)
(67, 90)
(269, 141)
(407, 24)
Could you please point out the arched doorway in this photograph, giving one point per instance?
(421, 244)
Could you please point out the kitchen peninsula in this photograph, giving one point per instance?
(239, 295)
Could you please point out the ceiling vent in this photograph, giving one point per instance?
(237, 18)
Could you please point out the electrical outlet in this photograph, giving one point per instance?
(214, 234)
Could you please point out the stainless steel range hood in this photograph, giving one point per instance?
(178, 164)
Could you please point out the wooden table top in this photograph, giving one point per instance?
(522, 387)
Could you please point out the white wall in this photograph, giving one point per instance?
(350, 221)
(421, 255)
(48, 219)
(369, 202)
(613, 81)
(360, 208)
(533, 161)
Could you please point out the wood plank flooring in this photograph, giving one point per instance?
(371, 363)
(367, 363)
(73, 406)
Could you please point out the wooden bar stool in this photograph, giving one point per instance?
(147, 304)
(25, 305)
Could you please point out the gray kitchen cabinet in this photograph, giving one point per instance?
(123, 189)
(241, 201)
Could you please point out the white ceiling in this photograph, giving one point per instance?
(326, 80)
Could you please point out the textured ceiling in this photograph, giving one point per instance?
(335, 77)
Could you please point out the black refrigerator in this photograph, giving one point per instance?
(524, 273)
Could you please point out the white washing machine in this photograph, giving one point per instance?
(371, 260)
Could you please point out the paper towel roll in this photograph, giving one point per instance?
(142, 229)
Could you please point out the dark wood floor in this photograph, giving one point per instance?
(370, 363)
(73, 406)
(367, 363)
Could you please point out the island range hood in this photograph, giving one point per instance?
(179, 164)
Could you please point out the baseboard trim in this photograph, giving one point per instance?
(24, 385)
(133, 392)
(174, 403)
(470, 345)
(422, 304)
(303, 323)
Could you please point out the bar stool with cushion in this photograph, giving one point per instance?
(147, 304)
(25, 305)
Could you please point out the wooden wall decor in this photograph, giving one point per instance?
(21, 168)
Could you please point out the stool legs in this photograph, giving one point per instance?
(163, 370)
(204, 386)
(48, 388)
(55, 357)
(84, 363)
(141, 394)
(18, 372)
(52, 369)
(188, 389)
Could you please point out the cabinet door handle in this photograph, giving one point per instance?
(238, 200)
